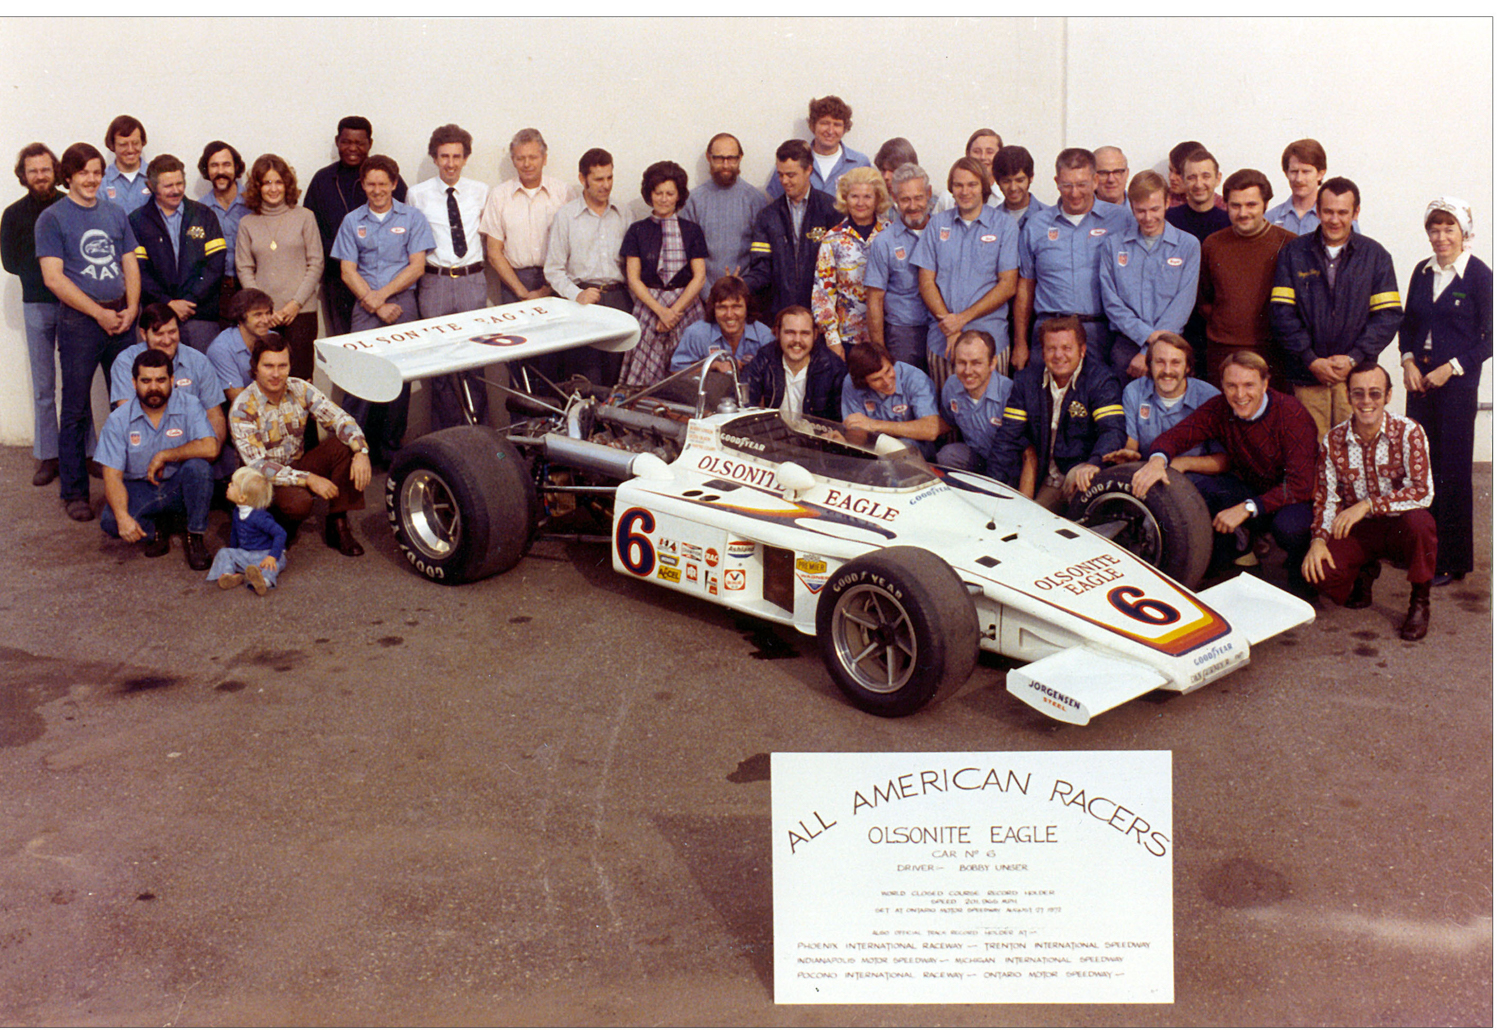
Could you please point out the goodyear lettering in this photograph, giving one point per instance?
(742, 442)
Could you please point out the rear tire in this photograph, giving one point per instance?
(1170, 529)
(461, 504)
(897, 630)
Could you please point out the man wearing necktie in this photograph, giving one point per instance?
(454, 277)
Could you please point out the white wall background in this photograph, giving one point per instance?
(1369, 89)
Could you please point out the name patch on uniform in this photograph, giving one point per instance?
(398, 229)
(182, 382)
(900, 409)
(1174, 261)
(943, 234)
(1097, 232)
(995, 421)
(1052, 235)
(1123, 259)
(174, 432)
(990, 238)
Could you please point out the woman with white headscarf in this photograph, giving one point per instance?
(1445, 338)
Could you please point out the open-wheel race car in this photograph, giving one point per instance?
(902, 570)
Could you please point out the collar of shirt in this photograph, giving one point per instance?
(1058, 391)
(550, 186)
(1265, 402)
(1457, 268)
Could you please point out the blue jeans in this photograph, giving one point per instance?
(41, 348)
(82, 347)
(188, 491)
(1290, 525)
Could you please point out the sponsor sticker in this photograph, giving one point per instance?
(816, 566)
(813, 583)
(691, 551)
(692, 572)
(703, 437)
(712, 582)
(669, 574)
(734, 579)
(711, 558)
(498, 340)
(739, 549)
(663, 544)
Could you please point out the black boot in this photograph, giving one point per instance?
(1362, 595)
(1415, 626)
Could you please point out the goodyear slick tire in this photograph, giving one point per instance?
(461, 504)
(897, 630)
(1171, 529)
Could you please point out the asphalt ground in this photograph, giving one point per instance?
(544, 798)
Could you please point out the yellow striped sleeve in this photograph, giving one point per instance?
(1019, 414)
(1108, 410)
(140, 253)
(214, 246)
(1283, 295)
(1378, 301)
(760, 248)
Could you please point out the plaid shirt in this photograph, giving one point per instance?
(1394, 474)
(269, 436)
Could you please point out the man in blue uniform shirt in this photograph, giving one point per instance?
(882, 396)
(124, 182)
(974, 400)
(828, 118)
(382, 249)
(966, 263)
(898, 317)
(725, 326)
(1157, 402)
(1058, 256)
(192, 373)
(155, 451)
(180, 250)
(1148, 278)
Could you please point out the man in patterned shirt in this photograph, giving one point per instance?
(267, 420)
(1371, 501)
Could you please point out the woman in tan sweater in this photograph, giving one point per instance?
(278, 250)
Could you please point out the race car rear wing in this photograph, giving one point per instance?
(375, 363)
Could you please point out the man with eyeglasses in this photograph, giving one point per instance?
(725, 208)
(1113, 169)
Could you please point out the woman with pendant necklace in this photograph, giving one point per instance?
(278, 250)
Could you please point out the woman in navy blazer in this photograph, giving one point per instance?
(1445, 339)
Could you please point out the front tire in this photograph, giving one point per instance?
(1171, 529)
(461, 504)
(897, 630)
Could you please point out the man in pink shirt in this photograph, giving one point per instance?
(516, 219)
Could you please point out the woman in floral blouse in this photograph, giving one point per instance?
(838, 296)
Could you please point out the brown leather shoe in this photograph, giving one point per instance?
(46, 472)
(340, 537)
(1415, 626)
(1363, 594)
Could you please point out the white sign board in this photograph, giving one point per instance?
(1038, 877)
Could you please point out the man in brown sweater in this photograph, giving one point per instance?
(1236, 273)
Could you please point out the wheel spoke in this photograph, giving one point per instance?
(873, 646)
(859, 619)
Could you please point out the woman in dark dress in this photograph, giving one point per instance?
(666, 258)
(1445, 339)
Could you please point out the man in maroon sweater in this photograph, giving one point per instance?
(1272, 447)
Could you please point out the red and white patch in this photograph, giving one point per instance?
(869, 407)
(110, 191)
(174, 432)
(900, 409)
(734, 579)
(398, 229)
(988, 238)
(953, 405)
(1174, 261)
(900, 253)
(182, 382)
(1052, 235)
(995, 420)
(1145, 412)
(1097, 232)
(135, 439)
(943, 234)
(711, 557)
(360, 232)
(1122, 259)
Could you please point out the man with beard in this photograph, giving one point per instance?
(155, 452)
(898, 318)
(333, 193)
(724, 208)
(180, 251)
(222, 166)
(36, 168)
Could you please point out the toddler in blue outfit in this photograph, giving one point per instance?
(257, 544)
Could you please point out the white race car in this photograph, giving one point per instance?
(902, 570)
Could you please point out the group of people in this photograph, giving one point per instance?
(994, 332)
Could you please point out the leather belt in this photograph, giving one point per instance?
(456, 271)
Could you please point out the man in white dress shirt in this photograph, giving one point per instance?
(453, 280)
